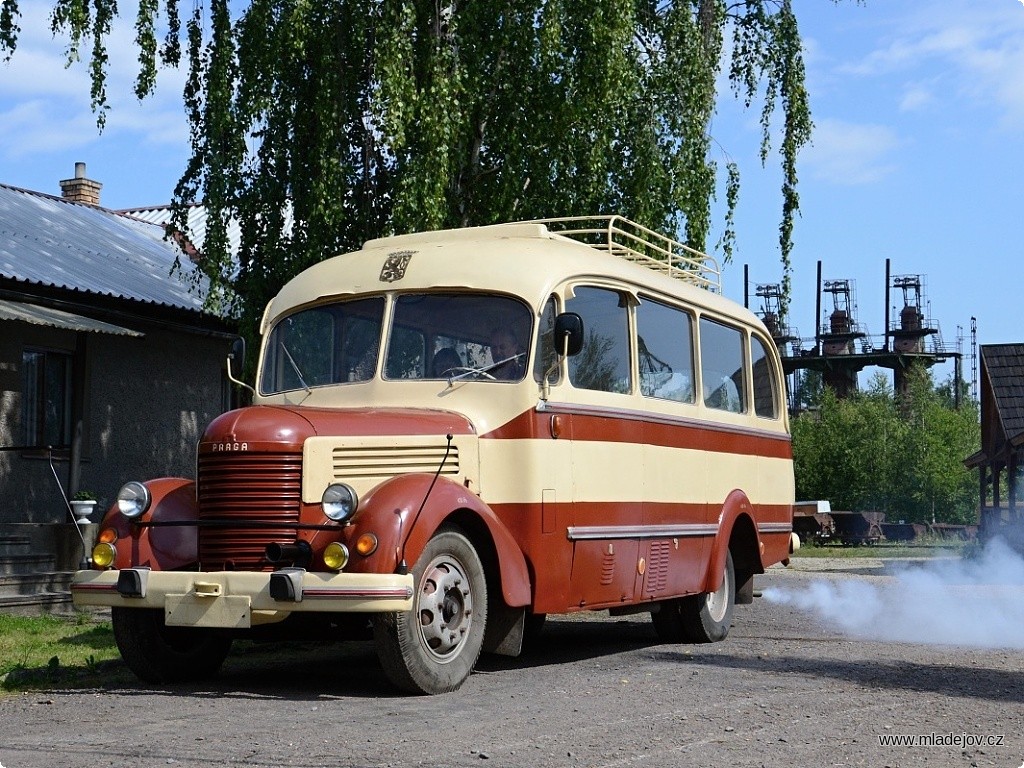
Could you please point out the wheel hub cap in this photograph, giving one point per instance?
(445, 608)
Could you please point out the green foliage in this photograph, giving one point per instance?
(51, 651)
(901, 456)
(318, 125)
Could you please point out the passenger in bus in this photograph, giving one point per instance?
(446, 363)
(505, 347)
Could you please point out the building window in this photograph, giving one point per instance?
(46, 394)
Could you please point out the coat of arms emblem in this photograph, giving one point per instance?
(395, 266)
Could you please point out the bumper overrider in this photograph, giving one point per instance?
(241, 599)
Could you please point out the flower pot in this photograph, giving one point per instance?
(82, 509)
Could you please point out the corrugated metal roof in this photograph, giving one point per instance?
(196, 232)
(196, 223)
(1005, 366)
(49, 241)
(55, 318)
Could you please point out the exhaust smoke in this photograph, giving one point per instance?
(976, 602)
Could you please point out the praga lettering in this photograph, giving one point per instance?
(217, 447)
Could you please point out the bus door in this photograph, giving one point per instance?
(607, 472)
(676, 513)
(607, 452)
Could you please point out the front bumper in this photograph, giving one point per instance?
(241, 599)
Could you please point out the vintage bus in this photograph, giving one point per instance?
(454, 434)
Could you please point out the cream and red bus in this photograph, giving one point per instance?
(454, 434)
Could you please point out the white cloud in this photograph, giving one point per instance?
(851, 153)
(917, 96)
(35, 126)
(976, 51)
(44, 105)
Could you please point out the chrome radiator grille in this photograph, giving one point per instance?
(247, 500)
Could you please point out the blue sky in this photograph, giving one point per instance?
(916, 157)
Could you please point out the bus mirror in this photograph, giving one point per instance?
(237, 352)
(568, 334)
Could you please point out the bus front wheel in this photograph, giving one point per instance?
(434, 647)
(157, 653)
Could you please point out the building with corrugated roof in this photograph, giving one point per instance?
(110, 366)
(1002, 441)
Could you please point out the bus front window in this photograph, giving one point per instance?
(465, 336)
(330, 344)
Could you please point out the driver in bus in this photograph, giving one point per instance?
(505, 347)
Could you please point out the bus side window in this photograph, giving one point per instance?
(665, 351)
(603, 363)
(545, 356)
(766, 385)
(721, 362)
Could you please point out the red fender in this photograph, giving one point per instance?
(162, 549)
(391, 511)
(736, 504)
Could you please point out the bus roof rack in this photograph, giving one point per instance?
(635, 242)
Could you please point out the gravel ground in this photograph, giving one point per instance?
(782, 690)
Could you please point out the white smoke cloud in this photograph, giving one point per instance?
(977, 602)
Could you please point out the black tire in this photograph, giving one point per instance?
(533, 626)
(706, 617)
(434, 647)
(668, 623)
(157, 653)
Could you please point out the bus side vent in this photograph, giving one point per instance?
(657, 567)
(385, 461)
(608, 569)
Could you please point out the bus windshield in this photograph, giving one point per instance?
(442, 336)
(447, 336)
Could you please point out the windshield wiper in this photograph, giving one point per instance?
(483, 370)
(295, 367)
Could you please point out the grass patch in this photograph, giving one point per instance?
(925, 548)
(38, 652)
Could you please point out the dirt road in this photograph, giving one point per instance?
(780, 691)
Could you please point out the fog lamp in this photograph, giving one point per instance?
(104, 554)
(336, 556)
(366, 544)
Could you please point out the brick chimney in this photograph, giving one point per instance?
(81, 189)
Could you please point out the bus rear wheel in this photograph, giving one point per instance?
(157, 653)
(706, 618)
(434, 647)
(703, 618)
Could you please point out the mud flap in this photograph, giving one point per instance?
(744, 588)
(505, 626)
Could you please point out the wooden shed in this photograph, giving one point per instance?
(1002, 437)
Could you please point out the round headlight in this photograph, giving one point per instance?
(133, 499)
(339, 502)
